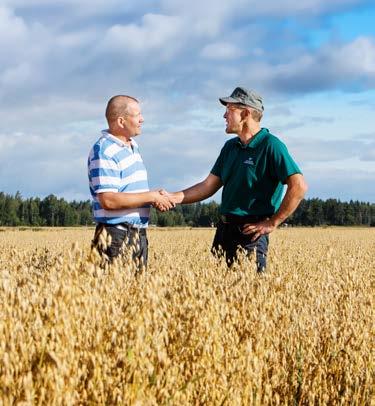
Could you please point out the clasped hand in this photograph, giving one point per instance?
(163, 200)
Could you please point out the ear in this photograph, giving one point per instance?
(244, 114)
(120, 122)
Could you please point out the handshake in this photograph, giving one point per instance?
(164, 201)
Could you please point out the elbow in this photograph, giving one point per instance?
(303, 188)
(106, 202)
(106, 205)
(298, 187)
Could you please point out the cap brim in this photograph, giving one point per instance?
(225, 100)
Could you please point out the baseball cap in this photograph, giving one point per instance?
(246, 97)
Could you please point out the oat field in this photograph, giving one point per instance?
(188, 331)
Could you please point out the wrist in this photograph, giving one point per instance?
(153, 197)
(276, 221)
(178, 196)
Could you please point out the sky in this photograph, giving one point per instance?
(313, 61)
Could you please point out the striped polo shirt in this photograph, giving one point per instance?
(115, 167)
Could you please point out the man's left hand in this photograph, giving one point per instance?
(261, 228)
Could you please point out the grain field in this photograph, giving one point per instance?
(188, 331)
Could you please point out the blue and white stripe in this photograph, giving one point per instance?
(115, 167)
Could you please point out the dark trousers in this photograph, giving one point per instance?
(229, 238)
(129, 243)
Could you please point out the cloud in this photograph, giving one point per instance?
(13, 38)
(348, 65)
(13, 28)
(370, 136)
(182, 151)
(210, 11)
(320, 150)
(156, 32)
(221, 50)
(207, 9)
(369, 153)
(61, 61)
(279, 110)
(340, 184)
(50, 116)
(310, 150)
(16, 76)
(298, 122)
(305, 7)
(40, 165)
(81, 9)
(170, 45)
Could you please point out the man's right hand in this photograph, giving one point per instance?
(163, 201)
(175, 197)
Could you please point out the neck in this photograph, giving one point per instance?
(125, 138)
(248, 132)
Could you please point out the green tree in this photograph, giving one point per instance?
(49, 210)
(11, 209)
(33, 212)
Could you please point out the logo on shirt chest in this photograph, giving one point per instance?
(249, 161)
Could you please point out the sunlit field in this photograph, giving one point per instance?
(188, 331)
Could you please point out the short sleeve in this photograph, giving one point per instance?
(283, 164)
(104, 172)
(217, 169)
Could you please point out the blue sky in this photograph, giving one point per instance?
(313, 61)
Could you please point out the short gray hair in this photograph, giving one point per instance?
(117, 106)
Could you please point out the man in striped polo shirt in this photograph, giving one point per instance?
(119, 186)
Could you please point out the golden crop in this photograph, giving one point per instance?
(188, 330)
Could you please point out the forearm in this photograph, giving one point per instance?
(121, 200)
(193, 194)
(198, 192)
(291, 201)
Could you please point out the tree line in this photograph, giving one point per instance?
(52, 211)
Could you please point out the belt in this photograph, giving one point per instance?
(126, 227)
(130, 227)
(239, 220)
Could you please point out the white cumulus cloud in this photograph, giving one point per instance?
(221, 50)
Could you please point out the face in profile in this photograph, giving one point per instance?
(133, 119)
(233, 118)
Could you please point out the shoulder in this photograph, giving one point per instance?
(104, 148)
(134, 143)
(227, 148)
(230, 144)
(135, 146)
(274, 143)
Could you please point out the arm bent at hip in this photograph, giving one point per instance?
(296, 189)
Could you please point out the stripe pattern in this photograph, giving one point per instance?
(115, 167)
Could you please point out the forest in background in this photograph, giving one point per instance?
(53, 211)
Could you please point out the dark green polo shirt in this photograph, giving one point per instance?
(253, 175)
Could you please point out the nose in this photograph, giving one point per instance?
(225, 115)
(141, 119)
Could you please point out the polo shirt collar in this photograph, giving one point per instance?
(113, 138)
(256, 140)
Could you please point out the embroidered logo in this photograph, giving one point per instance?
(249, 161)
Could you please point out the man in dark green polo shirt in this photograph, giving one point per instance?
(252, 168)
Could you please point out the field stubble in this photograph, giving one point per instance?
(187, 331)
